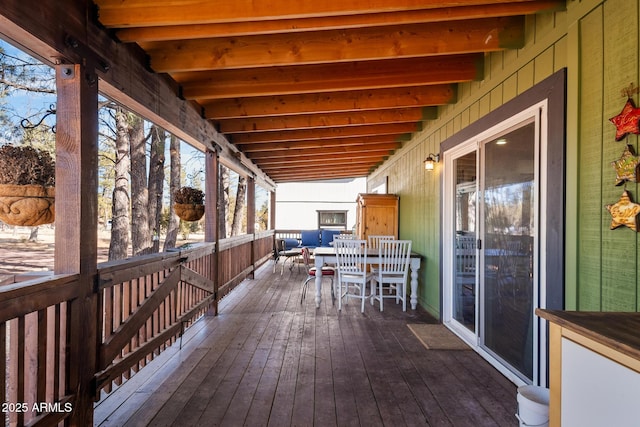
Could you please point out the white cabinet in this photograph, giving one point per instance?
(596, 391)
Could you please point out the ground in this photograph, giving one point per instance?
(18, 255)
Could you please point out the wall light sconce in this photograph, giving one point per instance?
(430, 161)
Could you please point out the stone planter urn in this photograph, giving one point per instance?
(189, 211)
(27, 205)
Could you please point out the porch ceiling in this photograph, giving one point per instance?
(324, 89)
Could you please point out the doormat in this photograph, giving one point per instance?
(437, 337)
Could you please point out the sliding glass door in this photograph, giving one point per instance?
(508, 211)
(490, 230)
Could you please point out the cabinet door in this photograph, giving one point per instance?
(596, 391)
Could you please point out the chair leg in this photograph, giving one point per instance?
(333, 295)
(304, 288)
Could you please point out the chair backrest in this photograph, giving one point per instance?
(374, 241)
(306, 258)
(394, 256)
(288, 243)
(351, 257)
(345, 236)
(466, 255)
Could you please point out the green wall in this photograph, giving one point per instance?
(598, 43)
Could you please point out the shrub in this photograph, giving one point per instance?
(189, 196)
(26, 165)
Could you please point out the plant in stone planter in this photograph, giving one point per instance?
(189, 203)
(27, 177)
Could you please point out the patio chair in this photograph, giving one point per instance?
(312, 271)
(374, 241)
(353, 277)
(390, 277)
(287, 249)
(465, 278)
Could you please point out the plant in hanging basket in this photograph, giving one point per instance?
(189, 203)
(27, 177)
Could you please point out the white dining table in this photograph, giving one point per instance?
(327, 255)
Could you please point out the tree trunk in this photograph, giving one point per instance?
(224, 201)
(174, 185)
(119, 243)
(156, 183)
(33, 236)
(140, 233)
(238, 211)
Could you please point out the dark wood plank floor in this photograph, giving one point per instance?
(267, 360)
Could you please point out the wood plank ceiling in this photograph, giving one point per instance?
(323, 89)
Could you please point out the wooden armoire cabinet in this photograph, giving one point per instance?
(377, 214)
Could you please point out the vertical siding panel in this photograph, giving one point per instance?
(560, 55)
(510, 88)
(495, 97)
(525, 77)
(590, 154)
(543, 65)
(620, 68)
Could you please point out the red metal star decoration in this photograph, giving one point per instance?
(627, 121)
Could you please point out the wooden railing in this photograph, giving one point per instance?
(144, 305)
(33, 349)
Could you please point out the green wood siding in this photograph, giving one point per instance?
(598, 42)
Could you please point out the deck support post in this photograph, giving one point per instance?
(251, 220)
(76, 232)
(212, 218)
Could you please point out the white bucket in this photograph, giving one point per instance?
(533, 406)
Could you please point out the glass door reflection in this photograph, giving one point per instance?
(465, 277)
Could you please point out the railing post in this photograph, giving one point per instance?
(76, 232)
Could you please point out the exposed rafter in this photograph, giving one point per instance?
(320, 90)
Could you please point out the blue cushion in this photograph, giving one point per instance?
(327, 237)
(310, 238)
(290, 243)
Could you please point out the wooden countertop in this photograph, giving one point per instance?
(620, 331)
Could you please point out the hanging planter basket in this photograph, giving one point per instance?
(27, 205)
(189, 212)
(189, 203)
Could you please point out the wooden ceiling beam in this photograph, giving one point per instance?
(319, 175)
(296, 25)
(320, 172)
(331, 77)
(337, 46)
(350, 150)
(322, 151)
(318, 143)
(144, 13)
(310, 121)
(310, 134)
(355, 157)
(360, 100)
(329, 163)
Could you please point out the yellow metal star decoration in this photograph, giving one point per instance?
(624, 212)
(626, 166)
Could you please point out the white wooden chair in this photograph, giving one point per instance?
(353, 277)
(374, 241)
(392, 271)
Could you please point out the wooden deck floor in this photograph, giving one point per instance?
(267, 360)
